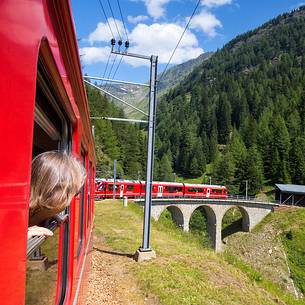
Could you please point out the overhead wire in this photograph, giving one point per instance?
(122, 19)
(171, 57)
(120, 42)
(107, 65)
(117, 68)
(113, 62)
(110, 29)
(101, 4)
(114, 20)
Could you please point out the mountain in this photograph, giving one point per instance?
(138, 96)
(243, 110)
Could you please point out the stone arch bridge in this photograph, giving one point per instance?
(182, 209)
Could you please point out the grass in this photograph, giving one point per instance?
(287, 228)
(185, 272)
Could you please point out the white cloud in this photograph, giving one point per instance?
(93, 55)
(155, 8)
(211, 3)
(155, 39)
(102, 32)
(161, 39)
(206, 22)
(137, 19)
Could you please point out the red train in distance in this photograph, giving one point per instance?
(43, 107)
(133, 189)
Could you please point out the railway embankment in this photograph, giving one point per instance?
(185, 271)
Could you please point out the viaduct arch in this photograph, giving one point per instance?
(181, 213)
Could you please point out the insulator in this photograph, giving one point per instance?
(120, 42)
(112, 41)
(126, 44)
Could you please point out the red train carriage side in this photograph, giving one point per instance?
(133, 189)
(43, 107)
(123, 188)
(205, 191)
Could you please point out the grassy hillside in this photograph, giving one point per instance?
(278, 242)
(184, 272)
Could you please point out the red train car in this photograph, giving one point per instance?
(43, 107)
(134, 189)
(129, 188)
(205, 190)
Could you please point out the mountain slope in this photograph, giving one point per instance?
(138, 96)
(248, 97)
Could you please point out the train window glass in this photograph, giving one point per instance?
(170, 189)
(110, 187)
(42, 273)
(130, 188)
(101, 187)
(52, 131)
(217, 191)
(88, 191)
(191, 190)
(81, 212)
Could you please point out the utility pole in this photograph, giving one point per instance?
(246, 189)
(210, 180)
(145, 252)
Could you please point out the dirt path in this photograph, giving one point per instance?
(110, 281)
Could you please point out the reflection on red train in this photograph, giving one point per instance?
(132, 189)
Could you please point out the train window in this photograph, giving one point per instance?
(101, 187)
(217, 191)
(192, 190)
(81, 213)
(110, 187)
(52, 131)
(130, 188)
(170, 189)
(42, 273)
(88, 191)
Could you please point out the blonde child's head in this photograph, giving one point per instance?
(56, 177)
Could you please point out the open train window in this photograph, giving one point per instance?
(89, 193)
(52, 131)
(81, 211)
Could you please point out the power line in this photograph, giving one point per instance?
(122, 19)
(114, 20)
(101, 4)
(113, 62)
(107, 64)
(179, 40)
(117, 68)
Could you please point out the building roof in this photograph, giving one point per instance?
(291, 188)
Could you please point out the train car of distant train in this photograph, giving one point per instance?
(43, 107)
(205, 191)
(132, 189)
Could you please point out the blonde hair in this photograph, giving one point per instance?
(56, 177)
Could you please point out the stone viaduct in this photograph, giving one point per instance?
(182, 209)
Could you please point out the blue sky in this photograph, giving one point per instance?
(154, 27)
